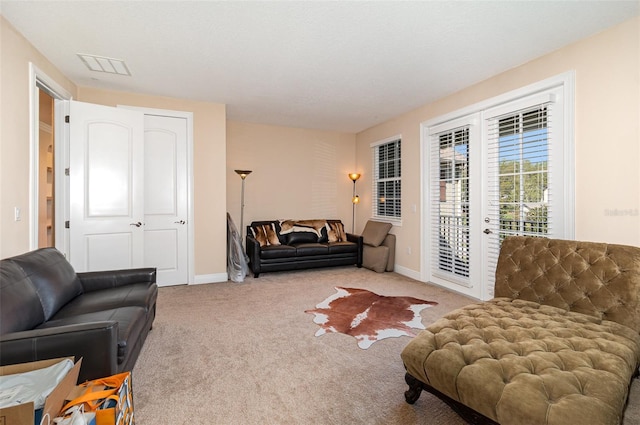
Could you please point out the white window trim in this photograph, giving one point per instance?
(397, 221)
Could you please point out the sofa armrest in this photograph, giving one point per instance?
(253, 252)
(95, 342)
(359, 240)
(390, 242)
(95, 281)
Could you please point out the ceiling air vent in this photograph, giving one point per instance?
(102, 64)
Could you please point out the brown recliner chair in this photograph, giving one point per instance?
(379, 246)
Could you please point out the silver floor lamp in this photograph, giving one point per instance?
(243, 175)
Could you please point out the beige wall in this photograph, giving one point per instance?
(209, 177)
(15, 55)
(297, 173)
(607, 137)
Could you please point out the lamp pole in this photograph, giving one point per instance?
(243, 175)
(354, 200)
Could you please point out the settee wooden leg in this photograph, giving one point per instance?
(415, 388)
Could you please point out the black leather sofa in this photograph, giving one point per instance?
(49, 311)
(301, 249)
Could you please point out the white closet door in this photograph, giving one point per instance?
(106, 187)
(166, 198)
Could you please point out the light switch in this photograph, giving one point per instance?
(17, 214)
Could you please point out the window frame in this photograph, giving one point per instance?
(375, 180)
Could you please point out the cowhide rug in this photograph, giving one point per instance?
(367, 316)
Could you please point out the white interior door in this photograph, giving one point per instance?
(166, 198)
(106, 187)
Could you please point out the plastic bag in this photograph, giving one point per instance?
(35, 385)
(237, 260)
(73, 416)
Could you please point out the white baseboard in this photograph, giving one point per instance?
(210, 278)
(407, 272)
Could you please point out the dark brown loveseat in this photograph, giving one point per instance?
(48, 311)
(278, 245)
(559, 343)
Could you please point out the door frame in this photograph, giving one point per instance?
(188, 116)
(39, 79)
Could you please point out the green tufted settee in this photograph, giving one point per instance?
(559, 343)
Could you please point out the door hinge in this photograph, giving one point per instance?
(66, 119)
(66, 224)
(66, 171)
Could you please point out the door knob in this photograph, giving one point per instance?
(487, 232)
(180, 222)
(138, 224)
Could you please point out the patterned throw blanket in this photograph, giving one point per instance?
(266, 234)
(288, 226)
(335, 230)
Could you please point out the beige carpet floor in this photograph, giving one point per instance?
(245, 353)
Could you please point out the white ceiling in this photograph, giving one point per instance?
(332, 65)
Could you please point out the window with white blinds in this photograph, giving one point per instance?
(519, 156)
(501, 167)
(387, 183)
(450, 202)
(520, 166)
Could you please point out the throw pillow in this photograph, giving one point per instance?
(259, 235)
(295, 238)
(374, 232)
(265, 234)
(335, 232)
(324, 235)
(272, 236)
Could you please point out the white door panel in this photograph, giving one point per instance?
(108, 153)
(119, 245)
(166, 258)
(105, 187)
(453, 152)
(166, 203)
(160, 172)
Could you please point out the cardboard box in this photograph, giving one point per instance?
(24, 414)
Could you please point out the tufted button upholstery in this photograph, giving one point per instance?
(496, 355)
(566, 359)
(597, 279)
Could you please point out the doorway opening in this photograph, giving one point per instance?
(46, 171)
(47, 162)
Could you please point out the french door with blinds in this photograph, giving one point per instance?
(500, 169)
